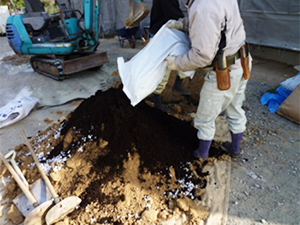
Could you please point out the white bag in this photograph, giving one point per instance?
(291, 83)
(143, 73)
(16, 109)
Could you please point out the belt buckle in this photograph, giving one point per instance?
(233, 60)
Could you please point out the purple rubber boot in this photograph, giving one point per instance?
(203, 150)
(234, 147)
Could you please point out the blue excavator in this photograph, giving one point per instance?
(62, 43)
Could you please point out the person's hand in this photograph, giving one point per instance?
(175, 24)
(171, 62)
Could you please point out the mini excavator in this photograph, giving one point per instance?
(60, 44)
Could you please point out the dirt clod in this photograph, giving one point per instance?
(15, 215)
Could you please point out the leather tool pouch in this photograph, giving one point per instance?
(245, 60)
(223, 78)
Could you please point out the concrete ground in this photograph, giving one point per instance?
(15, 78)
(264, 189)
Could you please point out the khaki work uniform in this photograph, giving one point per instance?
(205, 22)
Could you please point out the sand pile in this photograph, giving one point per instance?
(129, 165)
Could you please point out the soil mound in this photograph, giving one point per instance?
(159, 139)
(129, 165)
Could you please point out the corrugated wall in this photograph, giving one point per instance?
(272, 23)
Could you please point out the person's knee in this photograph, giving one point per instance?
(237, 124)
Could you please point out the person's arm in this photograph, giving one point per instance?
(205, 23)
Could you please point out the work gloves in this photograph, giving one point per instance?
(175, 24)
(171, 62)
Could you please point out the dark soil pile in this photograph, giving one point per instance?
(161, 140)
(129, 165)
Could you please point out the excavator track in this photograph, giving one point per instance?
(60, 69)
(48, 67)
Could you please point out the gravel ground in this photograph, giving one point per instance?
(265, 188)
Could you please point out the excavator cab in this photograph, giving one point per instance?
(41, 26)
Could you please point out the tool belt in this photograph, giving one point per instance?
(223, 72)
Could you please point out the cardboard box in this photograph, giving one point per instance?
(290, 108)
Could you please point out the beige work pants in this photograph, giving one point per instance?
(214, 101)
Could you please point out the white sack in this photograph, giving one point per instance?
(17, 109)
(291, 83)
(143, 73)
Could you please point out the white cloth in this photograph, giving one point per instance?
(143, 73)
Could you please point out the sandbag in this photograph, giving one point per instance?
(17, 109)
(143, 73)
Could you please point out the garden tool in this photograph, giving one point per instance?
(138, 12)
(36, 216)
(11, 158)
(61, 207)
(38, 188)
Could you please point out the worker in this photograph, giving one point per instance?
(217, 37)
(161, 12)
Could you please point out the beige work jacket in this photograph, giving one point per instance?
(206, 19)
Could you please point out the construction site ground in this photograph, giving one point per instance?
(262, 188)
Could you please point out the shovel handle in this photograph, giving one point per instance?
(23, 187)
(12, 154)
(40, 168)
